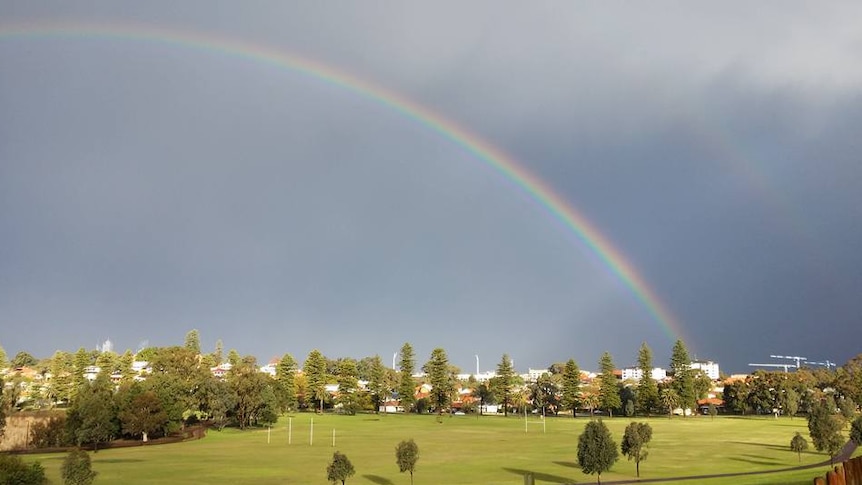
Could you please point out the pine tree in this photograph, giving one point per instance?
(81, 361)
(218, 354)
(193, 341)
(406, 387)
(347, 385)
(285, 374)
(683, 378)
(647, 396)
(315, 373)
(441, 384)
(125, 364)
(505, 381)
(609, 394)
(4, 359)
(571, 398)
(233, 358)
(62, 376)
(376, 385)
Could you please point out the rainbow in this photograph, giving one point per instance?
(536, 189)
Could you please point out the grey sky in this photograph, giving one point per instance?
(147, 188)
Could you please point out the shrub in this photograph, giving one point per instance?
(13, 471)
(76, 468)
(50, 433)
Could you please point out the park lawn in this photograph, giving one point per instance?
(461, 450)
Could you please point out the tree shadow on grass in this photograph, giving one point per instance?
(569, 464)
(118, 460)
(763, 445)
(757, 460)
(378, 479)
(539, 476)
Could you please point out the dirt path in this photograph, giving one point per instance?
(845, 454)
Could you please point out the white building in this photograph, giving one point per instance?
(269, 369)
(709, 367)
(533, 375)
(634, 374)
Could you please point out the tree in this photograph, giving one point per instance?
(285, 374)
(597, 451)
(218, 401)
(791, 402)
(571, 397)
(340, 469)
(669, 399)
(683, 379)
(635, 439)
(233, 357)
(124, 366)
(856, 431)
(713, 411)
(62, 378)
(406, 455)
(93, 415)
(377, 382)
(4, 359)
(825, 428)
(609, 395)
(80, 362)
(143, 415)
(315, 372)
(2, 407)
(406, 387)
(76, 469)
(178, 378)
(629, 408)
(347, 385)
(193, 341)
(505, 381)
(218, 354)
(544, 393)
(736, 396)
(798, 444)
(485, 394)
(251, 390)
(441, 383)
(24, 359)
(14, 471)
(590, 400)
(647, 395)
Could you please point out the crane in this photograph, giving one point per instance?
(791, 357)
(782, 366)
(827, 363)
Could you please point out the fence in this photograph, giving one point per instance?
(848, 473)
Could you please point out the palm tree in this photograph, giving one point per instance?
(669, 399)
(591, 401)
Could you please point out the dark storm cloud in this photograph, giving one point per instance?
(148, 189)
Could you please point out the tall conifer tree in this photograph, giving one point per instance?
(647, 397)
(406, 387)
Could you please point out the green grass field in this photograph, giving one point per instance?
(461, 450)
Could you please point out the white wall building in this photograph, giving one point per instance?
(533, 375)
(709, 367)
(634, 374)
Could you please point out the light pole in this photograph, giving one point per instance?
(477, 365)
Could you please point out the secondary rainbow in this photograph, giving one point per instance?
(481, 150)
